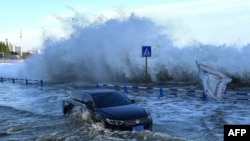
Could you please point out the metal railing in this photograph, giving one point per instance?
(176, 91)
(21, 80)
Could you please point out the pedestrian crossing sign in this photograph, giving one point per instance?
(146, 51)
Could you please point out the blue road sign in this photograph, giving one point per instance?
(146, 51)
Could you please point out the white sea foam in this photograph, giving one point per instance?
(109, 50)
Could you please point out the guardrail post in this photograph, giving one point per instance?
(125, 89)
(161, 92)
(204, 97)
(26, 81)
(41, 82)
(2, 79)
(13, 80)
(97, 85)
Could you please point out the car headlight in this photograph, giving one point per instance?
(115, 122)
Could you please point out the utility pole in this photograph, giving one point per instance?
(21, 34)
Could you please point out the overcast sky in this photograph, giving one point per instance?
(208, 21)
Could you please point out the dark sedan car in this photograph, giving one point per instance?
(113, 108)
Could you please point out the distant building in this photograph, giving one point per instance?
(13, 48)
(18, 49)
(35, 51)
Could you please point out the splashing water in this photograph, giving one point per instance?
(109, 50)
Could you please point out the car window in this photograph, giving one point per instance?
(82, 97)
(87, 97)
(110, 100)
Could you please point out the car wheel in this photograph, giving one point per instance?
(150, 128)
(67, 109)
(104, 124)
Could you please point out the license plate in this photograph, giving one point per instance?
(138, 128)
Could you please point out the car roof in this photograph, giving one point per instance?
(99, 91)
(79, 95)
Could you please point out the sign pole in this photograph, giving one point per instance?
(146, 62)
(146, 52)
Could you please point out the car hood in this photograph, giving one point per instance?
(124, 112)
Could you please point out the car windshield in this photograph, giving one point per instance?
(111, 99)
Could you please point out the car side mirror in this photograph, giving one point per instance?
(90, 104)
(132, 100)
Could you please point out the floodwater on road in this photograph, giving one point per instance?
(35, 113)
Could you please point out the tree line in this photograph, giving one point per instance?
(5, 52)
(4, 48)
